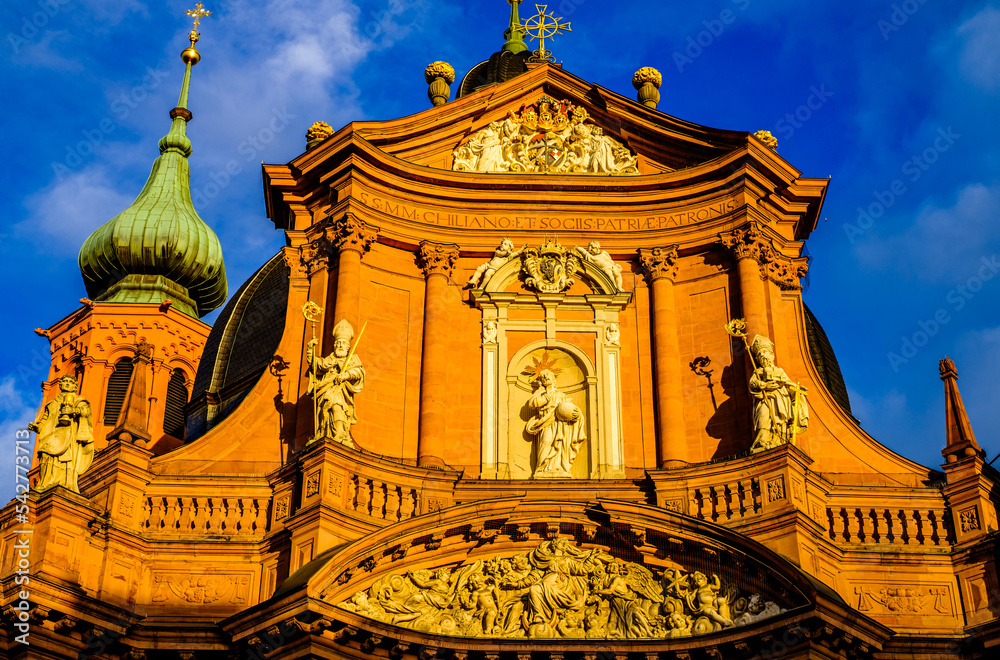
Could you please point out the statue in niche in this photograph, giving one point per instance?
(559, 591)
(65, 444)
(558, 426)
(504, 253)
(779, 409)
(333, 382)
(600, 258)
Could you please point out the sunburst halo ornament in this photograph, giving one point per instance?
(544, 25)
(538, 366)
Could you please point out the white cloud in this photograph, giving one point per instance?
(944, 244)
(64, 214)
(980, 56)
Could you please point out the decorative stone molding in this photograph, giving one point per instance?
(969, 519)
(349, 233)
(776, 489)
(437, 258)
(659, 262)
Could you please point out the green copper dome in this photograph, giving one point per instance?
(158, 248)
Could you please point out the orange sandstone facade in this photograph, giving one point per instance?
(249, 539)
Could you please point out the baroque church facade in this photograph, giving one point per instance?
(532, 378)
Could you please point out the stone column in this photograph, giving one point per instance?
(437, 262)
(661, 267)
(352, 238)
(751, 251)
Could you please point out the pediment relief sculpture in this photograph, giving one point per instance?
(547, 136)
(559, 591)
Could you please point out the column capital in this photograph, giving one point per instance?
(748, 242)
(349, 233)
(659, 262)
(438, 258)
(786, 273)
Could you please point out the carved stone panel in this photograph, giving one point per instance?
(547, 136)
(559, 591)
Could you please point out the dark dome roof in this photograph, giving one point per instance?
(239, 347)
(501, 67)
(825, 361)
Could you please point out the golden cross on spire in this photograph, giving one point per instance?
(544, 25)
(196, 13)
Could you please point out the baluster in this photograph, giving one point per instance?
(392, 504)
(758, 502)
(408, 505)
(909, 526)
(260, 508)
(896, 526)
(378, 499)
(746, 497)
(836, 524)
(352, 492)
(937, 535)
(216, 514)
(731, 493)
(364, 495)
(232, 516)
(246, 516)
(172, 518)
(155, 514)
(878, 525)
(853, 526)
(199, 514)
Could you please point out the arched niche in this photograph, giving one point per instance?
(582, 324)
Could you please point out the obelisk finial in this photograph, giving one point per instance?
(514, 34)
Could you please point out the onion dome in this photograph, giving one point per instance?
(507, 63)
(158, 248)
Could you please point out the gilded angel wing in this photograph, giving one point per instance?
(641, 581)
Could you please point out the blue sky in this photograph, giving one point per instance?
(895, 101)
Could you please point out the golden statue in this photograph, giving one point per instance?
(65, 438)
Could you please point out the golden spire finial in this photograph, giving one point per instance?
(191, 55)
(544, 25)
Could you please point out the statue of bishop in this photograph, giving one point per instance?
(333, 382)
(779, 408)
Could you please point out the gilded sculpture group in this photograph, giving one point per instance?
(561, 591)
(546, 136)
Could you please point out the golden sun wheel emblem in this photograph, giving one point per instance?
(544, 25)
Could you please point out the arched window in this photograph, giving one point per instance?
(117, 389)
(177, 398)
